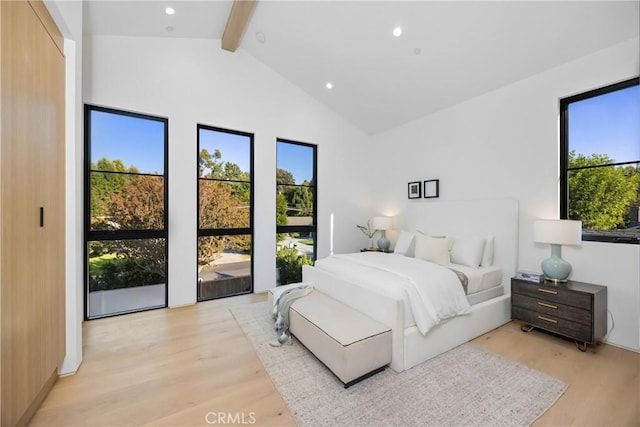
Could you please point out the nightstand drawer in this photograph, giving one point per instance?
(570, 329)
(552, 294)
(550, 308)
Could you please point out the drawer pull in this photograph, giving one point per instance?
(544, 304)
(547, 319)
(547, 291)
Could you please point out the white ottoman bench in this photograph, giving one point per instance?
(351, 344)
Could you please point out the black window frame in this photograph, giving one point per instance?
(209, 232)
(599, 236)
(96, 235)
(314, 187)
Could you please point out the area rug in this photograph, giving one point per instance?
(466, 386)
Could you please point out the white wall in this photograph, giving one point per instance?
(68, 18)
(193, 81)
(506, 144)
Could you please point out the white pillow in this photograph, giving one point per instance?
(433, 249)
(468, 251)
(404, 243)
(487, 254)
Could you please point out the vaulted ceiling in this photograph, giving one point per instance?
(449, 51)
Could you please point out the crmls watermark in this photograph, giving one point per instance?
(222, 418)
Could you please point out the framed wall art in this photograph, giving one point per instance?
(414, 190)
(431, 189)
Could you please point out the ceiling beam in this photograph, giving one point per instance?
(241, 12)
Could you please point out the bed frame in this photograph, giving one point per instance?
(476, 217)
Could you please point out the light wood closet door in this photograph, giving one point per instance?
(31, 178)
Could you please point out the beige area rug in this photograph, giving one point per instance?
(466, 386)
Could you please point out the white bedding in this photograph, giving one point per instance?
(481, 278)
(431, 292)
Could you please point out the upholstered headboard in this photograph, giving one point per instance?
(480, 217)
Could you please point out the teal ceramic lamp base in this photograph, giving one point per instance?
(383, 242)
(556, 269)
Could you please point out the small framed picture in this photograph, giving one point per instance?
(431, 188)
(414, 190)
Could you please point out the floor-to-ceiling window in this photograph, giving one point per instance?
(225, 212)
(125, 211)
(296, 210)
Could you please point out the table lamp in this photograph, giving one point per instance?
(383, 223)
(557, 232)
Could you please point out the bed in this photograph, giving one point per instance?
(363, 280)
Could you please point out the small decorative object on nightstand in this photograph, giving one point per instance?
(383, 223)
(368, 231)
(573, 309)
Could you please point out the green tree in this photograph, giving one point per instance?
(601, 197)
(220, 208)
(281, 214)
(225, 199)
(213, 167)
(299, 198)
(240, 181)
(284, 177)
(285, 184)
(302, 201)
(210, 166)
(231, 171)
(289, 263)
(140, 205)
(103, 185)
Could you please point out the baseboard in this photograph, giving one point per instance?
(183, 305)
(69, 373)
(635, 350)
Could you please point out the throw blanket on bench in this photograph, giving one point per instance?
(280, 312)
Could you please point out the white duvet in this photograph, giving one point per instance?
(434, 292)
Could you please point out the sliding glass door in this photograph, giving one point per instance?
(125, 212)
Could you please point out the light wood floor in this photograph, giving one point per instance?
(175, 367)
(604, 382)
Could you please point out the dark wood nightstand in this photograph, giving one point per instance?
(575, 310)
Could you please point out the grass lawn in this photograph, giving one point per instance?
(96, 263)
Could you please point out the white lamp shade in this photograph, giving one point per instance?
(558, 231)
(383, 223)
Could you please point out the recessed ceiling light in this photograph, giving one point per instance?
(417, 51)
(169, 11)
(261, 37)
(329, 85)
(397, 31)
